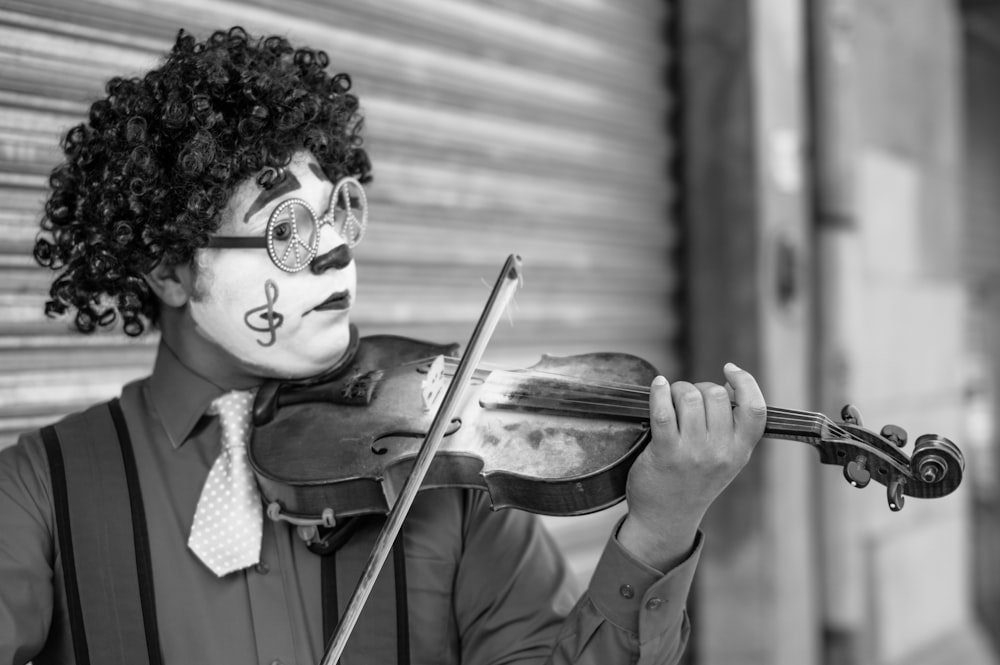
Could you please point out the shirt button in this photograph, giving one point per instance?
(264, 569)
(626, 590)
(653, 603)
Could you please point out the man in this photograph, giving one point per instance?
(219, 198)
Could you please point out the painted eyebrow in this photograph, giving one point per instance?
(287, 185)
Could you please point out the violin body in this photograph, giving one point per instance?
(347, 443)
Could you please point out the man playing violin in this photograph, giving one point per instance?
(219, 199)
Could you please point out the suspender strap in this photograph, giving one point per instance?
(328, 587)
(57, 472)
(101, 528)
(375, 610)
(402, 609)
(140, 536)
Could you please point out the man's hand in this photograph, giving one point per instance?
(699, 443)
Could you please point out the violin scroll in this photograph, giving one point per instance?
(937, 460)
(935, 468)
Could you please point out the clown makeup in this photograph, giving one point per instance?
(278, 185)
(315, 302)
(272, 319)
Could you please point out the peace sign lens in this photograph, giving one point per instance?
(293, 230)
(291, 235)
(347, 202)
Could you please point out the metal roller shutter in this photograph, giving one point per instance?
(495, 127)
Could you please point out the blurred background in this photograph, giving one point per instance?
(808, 188)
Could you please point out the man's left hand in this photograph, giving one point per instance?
(699, 442)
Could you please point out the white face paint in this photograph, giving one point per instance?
(266, 318)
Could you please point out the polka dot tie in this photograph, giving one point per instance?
(228, 521)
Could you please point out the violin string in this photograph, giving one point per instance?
(625, 390)
(776, 415)
(776, 423)
(818, 418)
(627, 399)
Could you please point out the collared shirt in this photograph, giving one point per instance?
(482, 586)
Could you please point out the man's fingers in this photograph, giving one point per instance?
(661, 410)
(690, 406)
(750, 413)
(718, 408)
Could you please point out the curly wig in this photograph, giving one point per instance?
(147, 176)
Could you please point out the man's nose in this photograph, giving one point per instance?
(337, 258)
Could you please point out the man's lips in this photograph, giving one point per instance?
(337, 300)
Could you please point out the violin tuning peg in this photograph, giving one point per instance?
(894, 492)
(856, 472)
(851, 414)
(894, 433)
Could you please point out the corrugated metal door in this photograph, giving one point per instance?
(495, 127)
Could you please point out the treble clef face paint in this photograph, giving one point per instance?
(266, 319)
(276, 323)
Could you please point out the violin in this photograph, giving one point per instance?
(398, 415)
(556, 438)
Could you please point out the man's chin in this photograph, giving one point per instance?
(294, 356)
(300, 369)
(299, 366)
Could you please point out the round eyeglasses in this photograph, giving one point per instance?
(293, 229)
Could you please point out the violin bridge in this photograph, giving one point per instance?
(432, 387)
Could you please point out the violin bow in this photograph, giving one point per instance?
(503, 290)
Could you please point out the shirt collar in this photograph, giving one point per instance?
(179, 394)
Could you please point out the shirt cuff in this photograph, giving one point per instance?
(637, 597)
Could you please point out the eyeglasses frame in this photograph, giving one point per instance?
(267, 242)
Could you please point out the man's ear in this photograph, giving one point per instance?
(172, 284)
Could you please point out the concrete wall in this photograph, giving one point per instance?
(898, 584)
